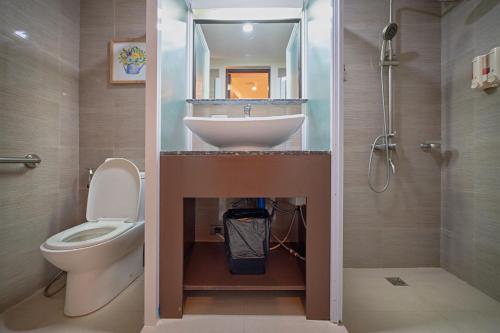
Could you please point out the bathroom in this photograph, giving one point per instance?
(383, 211)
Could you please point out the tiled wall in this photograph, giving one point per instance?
(399, 228)
(112, 118)
(470, 239)
(38, 114)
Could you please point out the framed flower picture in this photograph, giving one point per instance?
(127, 61)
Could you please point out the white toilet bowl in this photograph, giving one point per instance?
(102, 256)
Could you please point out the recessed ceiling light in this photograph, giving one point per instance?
(247, 27)
(21, 33)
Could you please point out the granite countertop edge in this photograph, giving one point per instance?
(248, 153)
(295, 101)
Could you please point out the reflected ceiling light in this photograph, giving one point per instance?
(254, 88)
(21, 33)
(247, 27)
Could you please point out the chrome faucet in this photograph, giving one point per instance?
(246, 110)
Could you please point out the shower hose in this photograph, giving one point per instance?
(385, 137)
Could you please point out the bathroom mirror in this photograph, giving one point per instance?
(247, 60)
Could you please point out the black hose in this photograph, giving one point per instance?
(47, 292)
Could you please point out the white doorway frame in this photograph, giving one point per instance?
(337, 162)
(152, 161)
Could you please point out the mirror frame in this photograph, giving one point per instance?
(205, 21)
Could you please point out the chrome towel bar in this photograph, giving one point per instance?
(30, 160)
(428, 145)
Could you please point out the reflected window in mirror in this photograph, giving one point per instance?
(248, 83)
(247, 60)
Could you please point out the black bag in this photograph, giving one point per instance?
(246, 234)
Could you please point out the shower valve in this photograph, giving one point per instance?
(383, 146)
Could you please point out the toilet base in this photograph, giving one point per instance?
(87, 292)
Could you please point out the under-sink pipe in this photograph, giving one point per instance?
(261, 202)
(47, 292)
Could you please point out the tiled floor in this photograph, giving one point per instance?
(248, 312)
(244, 324)
(434, 302)
(125, 315)
(45, 315)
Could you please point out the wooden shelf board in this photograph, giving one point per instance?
(207, 269)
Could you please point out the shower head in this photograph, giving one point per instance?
(390, 31)
(388, 34)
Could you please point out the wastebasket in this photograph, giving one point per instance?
(246, 237)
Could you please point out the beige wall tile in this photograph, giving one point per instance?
(362, 247)
(470, 123)
(38, 114)
(421, 247)
(112, 117)
(399, 227)
(130, 17)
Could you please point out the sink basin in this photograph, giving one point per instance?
(251, 133)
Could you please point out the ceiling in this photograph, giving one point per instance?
(229, 41)
(246, 3)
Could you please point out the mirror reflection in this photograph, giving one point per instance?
(247, 60)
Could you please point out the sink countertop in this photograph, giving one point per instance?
(263, 152)
(295, 101)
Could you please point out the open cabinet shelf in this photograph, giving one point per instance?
(206, 268)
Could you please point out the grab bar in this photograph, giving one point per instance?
(30, 160)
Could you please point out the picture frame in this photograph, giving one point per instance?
(127, 60)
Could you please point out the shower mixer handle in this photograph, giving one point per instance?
(387, 63)
(383, 146)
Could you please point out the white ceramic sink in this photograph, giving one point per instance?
(251, 133)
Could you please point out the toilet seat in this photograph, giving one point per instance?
(87, 234)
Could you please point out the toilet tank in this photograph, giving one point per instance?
(140, 217)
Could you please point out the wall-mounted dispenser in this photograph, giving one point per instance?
(479, 72)
(494, 64)
(486, 70)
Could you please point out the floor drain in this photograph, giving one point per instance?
(397, 281)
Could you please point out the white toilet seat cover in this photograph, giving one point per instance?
(114, 191)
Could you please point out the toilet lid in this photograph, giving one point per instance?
(114, 191)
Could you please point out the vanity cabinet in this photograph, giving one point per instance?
(186, 265)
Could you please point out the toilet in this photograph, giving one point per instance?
(105, 254)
